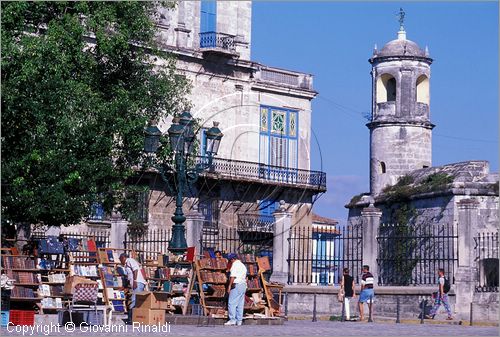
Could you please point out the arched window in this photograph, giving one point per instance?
(386, 89)
(423, 89)
(382, 167)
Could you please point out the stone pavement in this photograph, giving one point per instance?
(290, 328)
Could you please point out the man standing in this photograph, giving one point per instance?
(367, 294)
(442, 296)
(136, 279)
(237, 288)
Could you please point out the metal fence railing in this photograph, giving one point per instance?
(101, 238)
(318, 255)
(230, 240)
(150, 241)
(486, 257)
(411, 254)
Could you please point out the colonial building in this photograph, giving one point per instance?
(417, 217)
(265, 115)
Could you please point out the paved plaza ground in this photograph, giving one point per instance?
(290, 328)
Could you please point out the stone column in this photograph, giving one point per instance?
(194, 228)
(117, 231)
(281, 244)
(466, 273)
(371, 222)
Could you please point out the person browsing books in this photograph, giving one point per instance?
(237, 288)
(136, 279)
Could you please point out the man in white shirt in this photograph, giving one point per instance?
(237, 288)
(135, 277)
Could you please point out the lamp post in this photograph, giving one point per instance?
(182, 139)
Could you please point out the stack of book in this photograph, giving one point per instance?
(18, 262)
(23, 276)
(51, 303)
(60, 278)
(83, 270)
(22, 292)
(246, 258)
(253, 283)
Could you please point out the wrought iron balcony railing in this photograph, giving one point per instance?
(216, 40)
(248, 222)
(251, 171)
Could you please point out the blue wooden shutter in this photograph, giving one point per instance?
(208, 21)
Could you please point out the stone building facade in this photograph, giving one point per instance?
(265, 115)
(460, 199)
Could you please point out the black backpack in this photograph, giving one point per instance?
(446, 286)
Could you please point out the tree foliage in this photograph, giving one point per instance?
(79, 83)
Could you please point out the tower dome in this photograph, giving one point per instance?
(401, 48)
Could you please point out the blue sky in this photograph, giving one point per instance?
(334, 40)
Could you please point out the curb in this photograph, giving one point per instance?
(379, 319)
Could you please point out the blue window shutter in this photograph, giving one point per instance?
(208, 19)
(267, 207)
(203, 142)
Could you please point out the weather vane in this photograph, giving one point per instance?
(401, 18)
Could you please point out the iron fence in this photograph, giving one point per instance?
(318, 255)
(231, 240)
(217, 40)
(101, 238)
(486, 258)
(411, 255)
(150, 242)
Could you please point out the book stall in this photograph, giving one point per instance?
(81, 282)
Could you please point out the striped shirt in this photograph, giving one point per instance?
(367, 280)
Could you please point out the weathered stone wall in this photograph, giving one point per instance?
(301, 299)
(180, 27)
(401, 148)
(400, 130)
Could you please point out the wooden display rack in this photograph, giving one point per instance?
(271, 290)
(210, 272)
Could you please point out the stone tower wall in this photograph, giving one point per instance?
(400, 130)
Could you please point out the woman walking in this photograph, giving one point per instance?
(347, 285)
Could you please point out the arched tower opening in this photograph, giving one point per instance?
(386, 88)
(423, 89)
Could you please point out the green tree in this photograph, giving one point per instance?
(80, 81)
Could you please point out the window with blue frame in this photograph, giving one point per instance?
(279, 141)
(96, 211)
(203, 142)
(209, 208)
(208, 17)
(323, 256)
(267, 207)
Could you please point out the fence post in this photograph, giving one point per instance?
(282, 225)
(470, 323)
(422, 311)
(370, 319)
(371, 223)
(286, 306)
(466, 273)
(342, 318)
(314, 309)
(194, 229)
(397, 310)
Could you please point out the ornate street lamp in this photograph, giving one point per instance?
(182, 138)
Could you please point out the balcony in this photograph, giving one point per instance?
(284, 78)
(266, 174)
(220, 43)
(255, 223)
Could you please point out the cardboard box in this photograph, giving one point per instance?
(152, 300)
(148, 316)
(72, 281)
